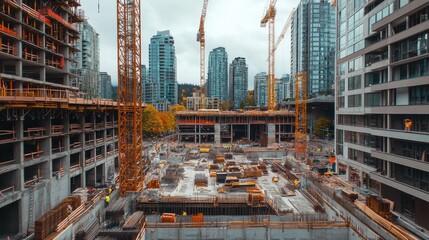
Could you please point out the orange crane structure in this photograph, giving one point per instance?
(130, 102)
(202, 39)
(269, 18)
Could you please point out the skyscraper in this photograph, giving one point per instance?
(105, 82)
(217, 82)
(88, 61)
(238, 81)
(382, 86)
(313, 45)
(282, 88)
(162, 70)
(149, 90)
(261, 89)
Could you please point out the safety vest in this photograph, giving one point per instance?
(107, 199)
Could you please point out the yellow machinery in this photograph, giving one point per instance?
(301, 115)
(131, 163)
(202, 39)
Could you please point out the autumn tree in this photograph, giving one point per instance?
(322, 126)
(250, 101)
(152, 123)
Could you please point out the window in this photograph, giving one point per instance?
(411, 70)
(354, 100)
(419, 95)
(373, 99)
(354, 83)
(340, 102)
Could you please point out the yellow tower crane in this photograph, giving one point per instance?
(202, 39)
(131, 162)
(269, 18)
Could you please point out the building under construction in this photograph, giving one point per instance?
(51, 141)
(214, 126)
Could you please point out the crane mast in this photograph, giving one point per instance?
(131, 162)
(269, 18)
(201, 38)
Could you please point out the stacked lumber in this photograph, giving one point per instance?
(74, 215)
(396, 230)
(45, 225)
(134, 222)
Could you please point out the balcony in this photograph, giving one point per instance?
(410, 162)
(399, 185)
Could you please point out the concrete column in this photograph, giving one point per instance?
(271, 133)
(348, 173)
(388, 169)
(248, 132)
(232, 135)
(217, 133)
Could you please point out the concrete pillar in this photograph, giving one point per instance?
(388, 167)
(217, 133)
(271, 133)
(248, 132)
(348, 173)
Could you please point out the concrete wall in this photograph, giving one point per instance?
(248, 234)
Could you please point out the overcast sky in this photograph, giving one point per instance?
(233, 24)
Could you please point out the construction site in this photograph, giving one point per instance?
(76, 168)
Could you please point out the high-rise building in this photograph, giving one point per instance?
(238, 81)
(313, 45)
(105, 82)
(217, 82)
(162, 70)
(282, 88)
(383, 86)
(88, 61)
(149, 89)
(261, 89)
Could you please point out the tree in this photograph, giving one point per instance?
(177, 108)
(224, 106)
(250, 101)
(152, 123)
(322, 127)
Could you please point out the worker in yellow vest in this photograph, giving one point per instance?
(107, 199)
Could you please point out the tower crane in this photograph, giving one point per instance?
(130, 104)
(284, 30)
(201, 38)
(269, 18)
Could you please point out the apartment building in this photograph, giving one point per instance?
(382, 82)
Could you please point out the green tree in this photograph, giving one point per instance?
(322, 126)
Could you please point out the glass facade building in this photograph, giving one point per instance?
(88, 61)
(238, 82)
(282, 88)
(105, 85)
(382, 82)
(313, 42)
(261, 89)
(217, 81)
(162, 70)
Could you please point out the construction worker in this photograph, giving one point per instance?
(110, 190)
(408, 124)
(107, 199)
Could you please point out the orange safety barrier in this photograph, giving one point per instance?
(8, 31)
(48, 12)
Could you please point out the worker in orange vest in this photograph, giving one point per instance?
(408, 124)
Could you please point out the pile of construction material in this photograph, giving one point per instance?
(172, 175)
(116, 211)
(200, 180)
(49, 222)
(250, 171)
